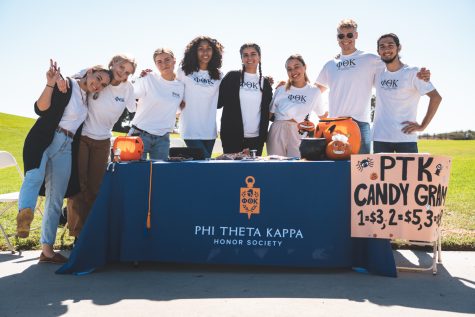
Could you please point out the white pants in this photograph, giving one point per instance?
(284, 139)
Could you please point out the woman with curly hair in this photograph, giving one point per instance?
(245, 96)
(201, 75)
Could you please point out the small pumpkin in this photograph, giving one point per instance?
(341, 125)
(306, 128)
(128, 148)
(339, 148)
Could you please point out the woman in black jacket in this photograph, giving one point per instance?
(47, 151)
(245, 97)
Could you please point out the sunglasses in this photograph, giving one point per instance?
(341, 36)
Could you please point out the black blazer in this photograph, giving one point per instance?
(41, 135)
(232, 131)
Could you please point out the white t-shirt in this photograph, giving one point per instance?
(159, 100)
(250, 97)
(104, 111)
(296, 103)
(76, 111)
(397, 96)
(350, 80)
(198, 118)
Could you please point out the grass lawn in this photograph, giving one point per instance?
(458, 225)
(13, 133)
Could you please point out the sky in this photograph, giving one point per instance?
(433, 33)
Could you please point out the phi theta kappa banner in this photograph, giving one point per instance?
(398, 196)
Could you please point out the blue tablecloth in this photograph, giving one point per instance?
(303, 219)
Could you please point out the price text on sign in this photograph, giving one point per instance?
(398, 195)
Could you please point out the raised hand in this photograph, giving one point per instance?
(53, 73)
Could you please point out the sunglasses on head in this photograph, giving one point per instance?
(341, 36)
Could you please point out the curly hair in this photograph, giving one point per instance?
(190, 62)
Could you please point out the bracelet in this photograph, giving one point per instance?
(49, 86)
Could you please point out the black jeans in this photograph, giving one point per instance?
(395, 147)
(252, 144)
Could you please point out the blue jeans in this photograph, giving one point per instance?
(156, 146)
(365, 137)
(395, 147)
(55, 170)
(205, 145)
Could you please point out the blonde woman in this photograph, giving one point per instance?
(290, 105)
(94, 147)
(159, 95)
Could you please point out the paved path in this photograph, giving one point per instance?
(31, 289)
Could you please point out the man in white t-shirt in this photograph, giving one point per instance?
(398, 91)
(350, 77)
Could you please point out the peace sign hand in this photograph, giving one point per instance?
(53, 74)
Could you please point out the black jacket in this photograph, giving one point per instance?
(41, 135)
(232, 131)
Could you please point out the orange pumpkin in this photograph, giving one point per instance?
(128, 148)
(339, 148)
(341, 125)
(319, 129)
(307, 127)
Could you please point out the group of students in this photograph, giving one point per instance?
(199, 89)
(76, 115)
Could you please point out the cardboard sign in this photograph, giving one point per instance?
(398, 196)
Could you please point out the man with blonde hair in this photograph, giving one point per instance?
(350, 77)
